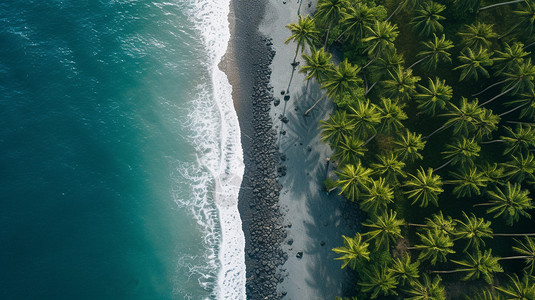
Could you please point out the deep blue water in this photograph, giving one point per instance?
(93, 100)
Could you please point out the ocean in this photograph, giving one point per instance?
(120, 160)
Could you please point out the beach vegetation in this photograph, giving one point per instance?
(432, 135)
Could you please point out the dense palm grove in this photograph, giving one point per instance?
(432, 136)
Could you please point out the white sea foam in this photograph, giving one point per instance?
(217, 142)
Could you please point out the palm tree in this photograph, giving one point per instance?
(526, 101)
(435, 246)
(350, 149)
(409, 145)
(334, 129)
(434, 97)
(519, 288)
(405, 3)
(435, 51)
(464, 6)
(392, 116)
(518, 80)
(427, 289)
(404, 270)
(473, 63)
(424, 187)
(378, 280)
(511, 203)
(427, 19)
(318, 65)
(401, 85)
(387, 61)
(463, 151)
(521, 167)
(381, 36)
(518, 140)
(500, 4)
(351, 179)
(473, 229)
(329, 12)
(366, 117)
(377, 196)
(493, 172)
(354, 249)
(464, 118)
(303, 33)
(468, 182)
(477, 36)
(355, 19)
(511, 55)
(438, 222)
(343, 79)
(389, 167)
(525, 19)
(384, 229)
(487, 293)
(479, 265)
(485, 124)
(527, 249)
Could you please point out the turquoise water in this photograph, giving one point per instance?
(106, 181)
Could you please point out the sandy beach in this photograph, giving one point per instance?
(290, 222)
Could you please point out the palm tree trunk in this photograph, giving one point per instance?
(417, 62)
(500, 4)
(512, 110)
(447, 271)
(369, 140)
(327, 37)
(515, 257)
(416, 225)
(290, 81)
(491, 142)
(514, 234)
(317, 102)
(447, 163)
(295, 56)
(438, 130)
(396, 10)
(371, 87)
(341, 34)
(525, 47)
(498, 96)
(489, 87)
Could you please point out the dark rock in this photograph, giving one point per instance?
(283, 92)
(290, 241)
(322, 243)
(299, 254)
(276, 102)
(286, 97)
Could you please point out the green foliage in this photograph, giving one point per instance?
(519, 288)
(381, 36)
(427, 289)
(350, 150)
(334, 129)
(378, 280)
(384, 229)
(477, 36)
(354, 249)
(468, 181)
(392, 116)
(474, 230)
(405, 271)
(409, 145)
(474, 63)
(352, 178)
(444, 225)
(463, 152)
(356, 18)
(377, 196)
(366, 117)
(526, 248)
(434, 246)
(304, 33)
(511, 56)
(424, 187)
(401, 84)
(343, 79)
(318, 65)
(389, 167)
(427, 19)
(520, 168)
(510, 203)
(480, 265)
(434, 97)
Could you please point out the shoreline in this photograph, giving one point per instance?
(289, 223)
(259, 194)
